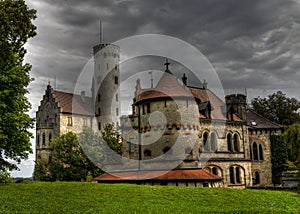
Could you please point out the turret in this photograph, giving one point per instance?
(106, 92)
(236, 103)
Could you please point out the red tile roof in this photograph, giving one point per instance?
(73, 104)
(159, 175)
(168, 86)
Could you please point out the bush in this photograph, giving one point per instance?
(5, 177)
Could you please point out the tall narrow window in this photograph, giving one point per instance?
(205, 141)
(256, 179)
(261, 155)
(237, 175)
(99, 97)
(236, 143)
(44, 139)
(231, 174)
(50, 137)
(144, 109)
(213, 141)
(117, 112)
(165, 103)
(214, 170)
(255, 151)
(116, 80)
(99, 111)
(38, 139)
(70, 121)
(131, 145)
(229, 142)
(99, 126)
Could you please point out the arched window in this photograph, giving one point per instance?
(205, 141)
(44, 139)
(231, 173)
(229, 142)
(50, 137)
(261, 155)
(256, 151)
(147, 153)
(256, 178)
(213, 142)
(214, 171)
(236, 143)
(236, 175)
(38, 140)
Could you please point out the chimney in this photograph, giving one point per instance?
(184, 79)
(82, 96)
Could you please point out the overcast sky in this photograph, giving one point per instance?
(252, 44)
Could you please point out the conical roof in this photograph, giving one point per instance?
(167, 86)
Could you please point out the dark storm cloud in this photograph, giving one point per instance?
(250, 43)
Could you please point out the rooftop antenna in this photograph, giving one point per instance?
(101, 33)
(55, 82)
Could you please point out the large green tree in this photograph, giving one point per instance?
(70, 163)
(278, 108)
(15, 29)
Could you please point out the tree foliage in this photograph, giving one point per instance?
(112, 137)
(292, 139)
(40, 173)
(278, 108)
(15, 29)
(70, 162)
(279, 157)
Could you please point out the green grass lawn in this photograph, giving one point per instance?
(63, 197)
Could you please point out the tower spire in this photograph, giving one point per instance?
(167, 66)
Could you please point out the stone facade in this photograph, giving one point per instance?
(55, 116)
(224, 138)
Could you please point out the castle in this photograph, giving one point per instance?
(205, 139)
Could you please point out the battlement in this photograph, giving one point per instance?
(236, 99)
(108, 46)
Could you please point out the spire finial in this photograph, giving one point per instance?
(167, 64)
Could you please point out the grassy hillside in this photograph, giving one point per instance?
(63, 197)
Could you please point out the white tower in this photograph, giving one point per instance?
(106, 82)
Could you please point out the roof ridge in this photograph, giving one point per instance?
(274, 123)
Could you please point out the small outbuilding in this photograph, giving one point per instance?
(176, 177)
